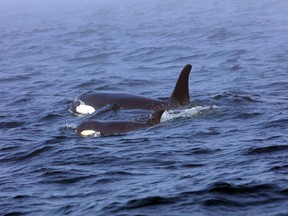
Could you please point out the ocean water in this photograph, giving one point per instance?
(231, 159)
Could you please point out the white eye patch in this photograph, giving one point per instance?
(87, 132)
(85, 109)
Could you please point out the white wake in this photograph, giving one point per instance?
(185, 113)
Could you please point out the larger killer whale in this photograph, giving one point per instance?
(102, 128)
(90, 102)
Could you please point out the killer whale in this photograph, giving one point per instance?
(102, 128)
(90, 102)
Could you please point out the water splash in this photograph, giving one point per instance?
(68, 127)
(186, 113)
(97, 134)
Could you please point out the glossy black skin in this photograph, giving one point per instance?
(118, 127)
(179, 97)
(123, 100)
(110, 127)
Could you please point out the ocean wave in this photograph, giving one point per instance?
(11, 124)
(238, 97)
(266, 149)
(280, 123)
(148, 201)
(222, 195)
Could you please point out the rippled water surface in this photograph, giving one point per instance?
(232, 160)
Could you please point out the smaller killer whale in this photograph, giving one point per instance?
(102, 128)
(88, 103)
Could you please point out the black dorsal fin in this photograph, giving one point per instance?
(155, 118)
(181, 90)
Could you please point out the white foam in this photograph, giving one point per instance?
(184, 113)
(97, 134)
(70, 126)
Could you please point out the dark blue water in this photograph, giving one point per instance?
(232, 161)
